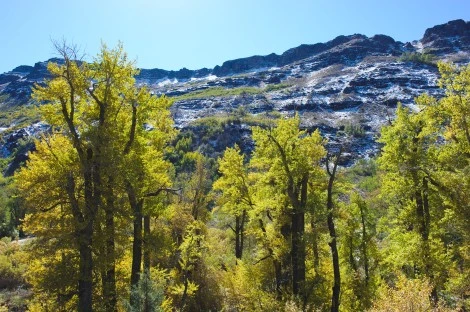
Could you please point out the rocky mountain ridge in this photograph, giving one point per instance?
(350, 82)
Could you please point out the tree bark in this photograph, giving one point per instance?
(242, 232)
(84, 236)
(333, 246)
(109, 287)
(85, 279)
(336, 272)
(136, 207)
(316, 252)
(238, 251)
(297, 193)
(426, 226)
(298, 198)
(239, 235)
(136, 249)
(298, 253)
(147, 244)
(364, 243)
(352, 261)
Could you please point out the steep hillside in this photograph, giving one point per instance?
(348, 87)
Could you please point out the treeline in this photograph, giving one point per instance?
(126, 216)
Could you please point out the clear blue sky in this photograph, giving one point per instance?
(172, 34)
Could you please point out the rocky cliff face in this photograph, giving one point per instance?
(349, 81)
(451, 38)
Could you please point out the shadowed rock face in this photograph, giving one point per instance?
(376, 44)
(457, 28)
(451, 37)
(19, 143)
(348, 80)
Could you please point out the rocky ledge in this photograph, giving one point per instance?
(351, 82)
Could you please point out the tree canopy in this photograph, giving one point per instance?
(125, 214)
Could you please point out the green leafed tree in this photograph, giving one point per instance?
(289, 159)
(107, 150)
(425, 159)
(448, 118)
(407, 157)
(237, 197)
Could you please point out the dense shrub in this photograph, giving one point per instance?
(11, 267)
(408, 295)
(416, 57)
(353, 128)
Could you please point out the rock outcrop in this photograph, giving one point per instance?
(349, 80)
(452, 37)
(19, 143)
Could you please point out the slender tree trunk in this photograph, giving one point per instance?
(238, 243)
(108, 256)
(352, 262)
(137, 235)
(101, 254)
(285, 262)
(85, 233)
(85, 279)
(298, 199)
(364, 243)
(333, 246)
(110, 296)
(427, 225)
(298, 252)
(147, 260)
(147, 244)
(238, 250)
(336, 272)
(276, 263)
(420, 214)
(426, 215)
(242, 232)
(239, 234)
(136, 248)
(316, 253)
(187, 276)
(84, 236)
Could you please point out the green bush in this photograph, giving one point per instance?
(407, 295)
(147, 296)
(12, 268)
(14, 300)
(6, 224)
(225, 92)
(353, 129)
(215, 124)
(11, 210)
(20, 116)
(416, 57)
(218, 92)
(275, 87)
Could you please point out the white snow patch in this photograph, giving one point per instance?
(207, 78)
(418, 45)
(167, 82)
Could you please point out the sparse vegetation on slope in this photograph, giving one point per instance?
(225, 92)
(417, 57)
(17, 117)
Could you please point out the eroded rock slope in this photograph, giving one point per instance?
(350, 82)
